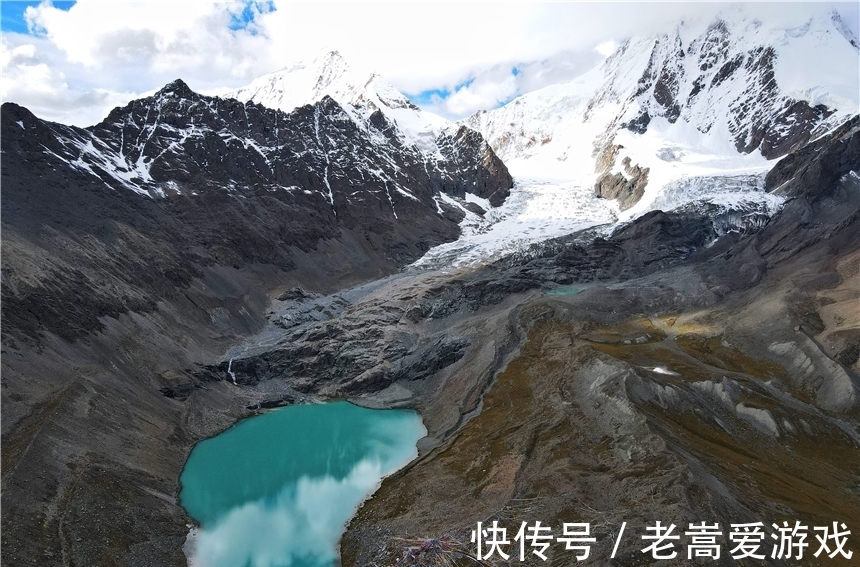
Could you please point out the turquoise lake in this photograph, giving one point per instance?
(276, 489)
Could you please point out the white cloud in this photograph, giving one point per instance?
(605, 48)
(495, 85)
(488, 90)
(302, 524)
(31, 78)
(103, 51)
(191, 37)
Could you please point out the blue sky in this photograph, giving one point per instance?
(90, 55)
(430, 96)
(248, 15)
(13, 14)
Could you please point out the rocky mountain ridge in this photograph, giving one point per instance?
(374, 104)
(308, 176)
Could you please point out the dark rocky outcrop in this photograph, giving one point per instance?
(471, 166)
(627, 188)
(813, 172)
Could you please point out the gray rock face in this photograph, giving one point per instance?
(181, 171)
(627, 188)
(762, 118)
(471, 166)
(814, 171)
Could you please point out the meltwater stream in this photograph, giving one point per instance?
(276, 490)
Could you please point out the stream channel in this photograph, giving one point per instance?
(277, 489)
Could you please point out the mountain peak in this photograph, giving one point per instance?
(304, 82)
(328, 74)
(177, 88)
(327, 63)
(333, 55)
(726, 93)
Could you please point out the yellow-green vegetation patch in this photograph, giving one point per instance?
(716, 352)
(640, 330)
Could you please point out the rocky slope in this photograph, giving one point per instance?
(675, 375)
(449, 151)
(147, 244)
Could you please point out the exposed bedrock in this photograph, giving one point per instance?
(626, 187)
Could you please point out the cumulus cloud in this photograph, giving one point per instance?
(194, 38)
(83, 61)
(31, 77)
(102, 51)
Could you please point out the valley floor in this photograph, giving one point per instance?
(666, 370)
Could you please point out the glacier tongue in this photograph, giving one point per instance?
(536, 210)
(543, 209)
(726, 191)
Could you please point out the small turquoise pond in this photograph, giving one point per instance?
(276, 490)
(565, 290)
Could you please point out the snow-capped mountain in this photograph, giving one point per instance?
(381, 111)
(178, 141)
(710, 98)
(310, 174)
(361, 93)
